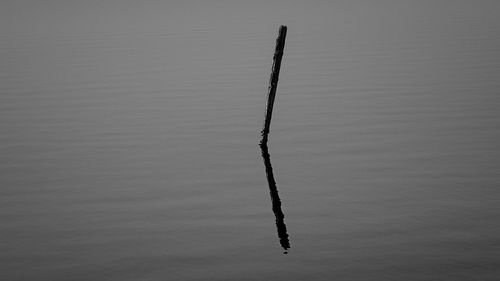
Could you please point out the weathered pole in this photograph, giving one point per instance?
(273, 82)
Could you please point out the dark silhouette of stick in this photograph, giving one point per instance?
(273, 82)
(275, 200)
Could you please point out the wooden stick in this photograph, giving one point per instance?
(273, 82)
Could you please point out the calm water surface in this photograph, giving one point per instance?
(129, 140)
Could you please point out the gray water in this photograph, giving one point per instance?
(129, 140)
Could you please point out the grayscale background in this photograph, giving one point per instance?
(129, 140)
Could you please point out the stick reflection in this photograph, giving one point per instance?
(275, 199)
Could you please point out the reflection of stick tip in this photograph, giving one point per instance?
(275, 200)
